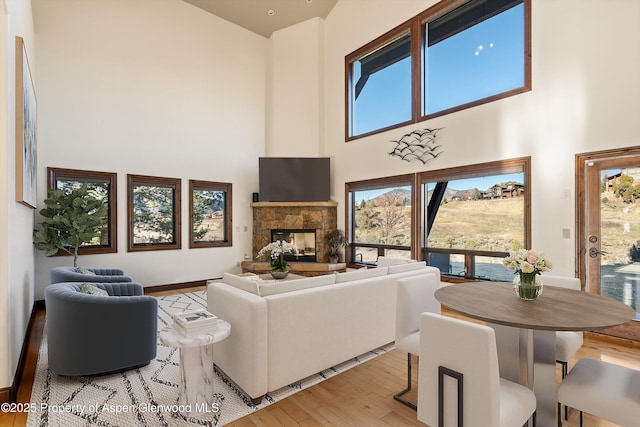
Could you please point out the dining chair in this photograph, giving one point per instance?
(414, 297)
(567, 342)
(603, 389)
(459, 381)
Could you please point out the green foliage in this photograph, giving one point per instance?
(205, 202)
(71, 218)
(153, 214)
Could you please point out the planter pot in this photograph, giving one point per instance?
(279, 274)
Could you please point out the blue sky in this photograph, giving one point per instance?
(481, 61)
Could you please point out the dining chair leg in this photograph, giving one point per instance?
(565, 371)
(398, 396)
(559, 414)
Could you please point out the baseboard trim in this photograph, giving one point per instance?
(174, 286)
(5, 395)
(9, 394)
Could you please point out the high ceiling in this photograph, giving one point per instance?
(266, 16)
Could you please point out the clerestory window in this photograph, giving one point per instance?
(455, 55)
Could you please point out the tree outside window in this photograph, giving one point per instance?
(209, 214)
(154, 213)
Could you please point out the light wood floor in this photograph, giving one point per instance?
(360, 396)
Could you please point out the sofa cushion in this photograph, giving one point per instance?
(90, 289)
(85, 271)
(360, 274)
(282, 286)
(244, 283)
(400, 268)
(385, 261)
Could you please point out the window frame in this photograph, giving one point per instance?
(153, 181)
(372, 184)
(514, 165)
(418, 211)
(415, 26)
(195, 185)
(84, 176)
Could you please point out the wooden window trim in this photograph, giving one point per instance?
(152, 181)
(498, 167)
(60, 174)
(372, 184)
(212, 186)
(414, 26)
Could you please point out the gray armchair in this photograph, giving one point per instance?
(102, 275)
(91, 334)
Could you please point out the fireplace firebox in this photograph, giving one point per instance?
(303, 239)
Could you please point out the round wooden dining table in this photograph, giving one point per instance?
(525, 330)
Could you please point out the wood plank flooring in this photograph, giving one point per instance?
(360, 396)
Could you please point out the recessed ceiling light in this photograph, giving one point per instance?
(309, 1)
(271, 12)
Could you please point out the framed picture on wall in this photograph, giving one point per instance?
(26, 129)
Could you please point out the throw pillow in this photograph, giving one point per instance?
(93, 290)
(85, 271)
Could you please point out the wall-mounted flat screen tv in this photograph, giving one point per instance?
(294, 179)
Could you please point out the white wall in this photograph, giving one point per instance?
(16, 220)
(295, 125)
(585, 97)
(157, 88)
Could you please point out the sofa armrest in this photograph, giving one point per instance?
(243, 355)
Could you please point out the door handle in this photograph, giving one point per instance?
(593, 252)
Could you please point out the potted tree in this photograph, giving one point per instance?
(336, 241)
(71, 219)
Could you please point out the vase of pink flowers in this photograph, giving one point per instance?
(528, 265)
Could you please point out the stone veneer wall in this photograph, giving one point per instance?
(267, 216)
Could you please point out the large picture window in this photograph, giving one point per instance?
(209, 214)
(101, 185)
(463, 220)
(380, 222)
(455, 55)
(154, 213)
(474, 215)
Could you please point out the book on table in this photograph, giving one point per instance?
(194, 322)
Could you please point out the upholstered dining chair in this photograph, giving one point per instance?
(458, 377)
(414, 297)
(603, 389)
(567, 342)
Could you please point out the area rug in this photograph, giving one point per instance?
(148, 396)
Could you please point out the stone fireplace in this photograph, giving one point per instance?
(318, 216)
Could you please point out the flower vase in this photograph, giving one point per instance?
(527, 286)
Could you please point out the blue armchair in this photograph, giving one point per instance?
(91, 334)
(102, 275)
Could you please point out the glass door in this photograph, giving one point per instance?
(609, 219)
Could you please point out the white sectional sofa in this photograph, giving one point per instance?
(285, 331)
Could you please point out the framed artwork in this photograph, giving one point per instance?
(26, 129)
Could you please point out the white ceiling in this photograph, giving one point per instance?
(266, 16)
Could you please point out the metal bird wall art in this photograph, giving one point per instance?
(418, 145)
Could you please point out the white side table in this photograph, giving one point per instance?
(196, 366)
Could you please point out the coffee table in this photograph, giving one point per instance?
(196, 367)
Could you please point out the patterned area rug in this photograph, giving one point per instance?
(148, 396)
